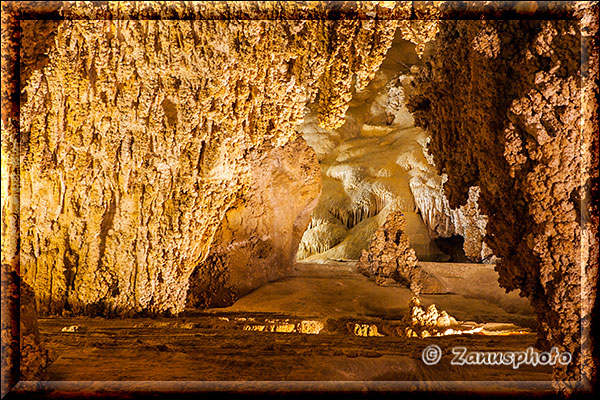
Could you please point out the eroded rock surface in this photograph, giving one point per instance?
(258, 238)
(502, 100)
(135, 135)
(35, 356)
(390, 256)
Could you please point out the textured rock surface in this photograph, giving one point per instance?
(590, 215)
(377, 162)
(542, 264)
(444, 221)
(35, 357)
(502, 100)
(390, 256)
(424, 322)
(135, 133)
(258, 238)
(10, 327)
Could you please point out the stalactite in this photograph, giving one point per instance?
(138, 126)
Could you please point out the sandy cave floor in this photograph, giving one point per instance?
(250, 340)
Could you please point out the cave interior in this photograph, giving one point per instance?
(299, 199)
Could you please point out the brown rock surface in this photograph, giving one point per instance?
(35, 357)
(390, 256)
(24, 355)
(503, 102)
(258, 238)
(10, 327)
(135, 135)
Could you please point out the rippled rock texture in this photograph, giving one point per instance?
(136, 136)
(502, 100)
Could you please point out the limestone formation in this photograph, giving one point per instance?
(390, 256)
(502, 100)
(135, 134)
(424, 322)
(258, 238)
(444, 221)
(424, 27)
(376, 163)
(151, 142)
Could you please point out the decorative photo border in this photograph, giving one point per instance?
(14, 12)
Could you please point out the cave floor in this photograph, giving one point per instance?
(269, 334)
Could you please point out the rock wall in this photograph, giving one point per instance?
(135, 135)
(258, 238)
(444, 221)
(24, 354)
(502, 100)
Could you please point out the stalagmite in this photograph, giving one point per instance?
(389, 255)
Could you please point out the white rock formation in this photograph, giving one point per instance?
(377, 163)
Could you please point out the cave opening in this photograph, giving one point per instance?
(377, 162)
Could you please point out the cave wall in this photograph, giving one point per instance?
(258, 239)
(502, 100)
(69, 73)
(135, 135)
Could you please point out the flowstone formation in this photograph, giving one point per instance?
(503, 101)
(135, 135)
(376, 163)
(390, 256)
(258, 238)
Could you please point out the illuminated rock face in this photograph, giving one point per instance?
(258, 238)
(377, 163)
(135, 135)
(424, 322)
(502, 100)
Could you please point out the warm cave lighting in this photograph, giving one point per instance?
(195, 193)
